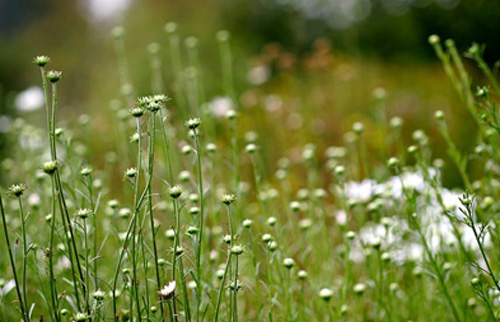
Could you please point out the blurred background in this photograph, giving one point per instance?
(315, 66)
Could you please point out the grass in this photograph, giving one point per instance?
(198, 214)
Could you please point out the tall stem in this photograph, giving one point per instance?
(24, 310)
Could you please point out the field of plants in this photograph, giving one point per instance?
(320, 191)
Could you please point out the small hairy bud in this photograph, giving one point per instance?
(193, 123)
(49, 167)
(137, 111)
(83, 213)
(175, 192)
(251, 148)
(228, 199)
(17, 190)
(54, 75)
(41, 60)
(434, 39)
(86, 171)
(326, 294)
(237, 250)
(288, 263)
(131, 172)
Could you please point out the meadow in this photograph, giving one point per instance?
(257, 205)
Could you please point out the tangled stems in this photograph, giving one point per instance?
(467, 211)
(22, 303)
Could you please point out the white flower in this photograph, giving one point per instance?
(167, 292)
(360, 191)
(30, 99)
(258, 74)
(219, 106)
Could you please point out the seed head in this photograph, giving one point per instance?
(49, 167)
(17, 190)
(41, 60)
(54, 75)
(288, 263)
(228, 199)
(193, 123)
(326, 294)
(175, 192)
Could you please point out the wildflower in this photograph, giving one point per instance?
(137, 111)
(17, 190)
(266, 238)
(30, 99)
(167, 292)
(41, 60)
(81, 317)
(54, 75)
(295, 206)
(130, 172)
(192, 230)
(175, 192)
(86, 171)
(228, 199)
(359, 288)
(193, 123)
(49, 167)
(271, 221)
(83, 213)
(272, 246)
(302, 275)
(211, 147)
(194, 210)
(170, 234)
(231, 115)
(247, 223)
(237, 250)
(434, 39)
(326, 294)
(288, 262)
(99, 295)
(251, 148)
(226, 239)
